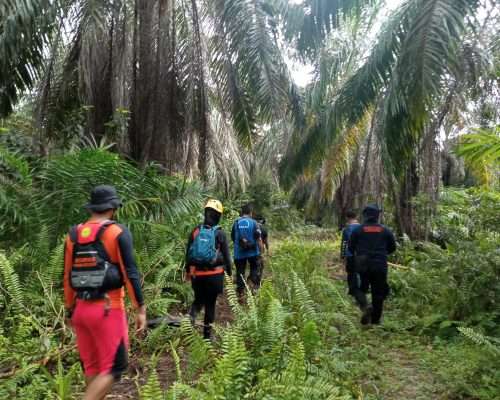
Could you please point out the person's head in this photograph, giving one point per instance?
(260, 219)
(371, 213)
(213, 211)
(247, 209)
(104, 201)
(350, 215)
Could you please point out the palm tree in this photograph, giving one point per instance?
(413, 72)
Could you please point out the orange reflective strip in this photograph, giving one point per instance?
(215, 271)
(84, 265)
(372, 229)
(85, 259)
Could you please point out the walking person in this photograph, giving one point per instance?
(261, 221)
(207, 258)
(98, 263)
(247, 239)
(371, 243)
(353, 280)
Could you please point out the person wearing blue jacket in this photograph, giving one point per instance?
(347, 256)
(247, 238)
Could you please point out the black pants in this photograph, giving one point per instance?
(353, 280)
(375, 278)
(206, 289)
(255, 272)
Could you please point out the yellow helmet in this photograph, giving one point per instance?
(215, 205)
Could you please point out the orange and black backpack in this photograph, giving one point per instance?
(92, 272)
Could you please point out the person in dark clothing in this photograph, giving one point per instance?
(265, 242)
(346, 255)
(263, 232)
(207, 276)
(370, 243)
(247, 238)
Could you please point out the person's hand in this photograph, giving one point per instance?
(187, 277)
(140, 321)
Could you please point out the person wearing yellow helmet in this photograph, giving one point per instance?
(207, 258)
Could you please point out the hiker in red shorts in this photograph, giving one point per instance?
(98, 263)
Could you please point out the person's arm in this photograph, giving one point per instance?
(186, 258)
(265, 238)
(353, 241)
(233, 234)
(131, 277)
(69, 292)
(224, 248)
(343, 244)
(257, 234)
(391, 242)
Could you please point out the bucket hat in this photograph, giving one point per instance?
(103, 198)
(371, 211)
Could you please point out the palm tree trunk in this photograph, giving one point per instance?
(201, 102)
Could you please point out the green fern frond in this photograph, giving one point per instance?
(480, 339)
(152, 389)
(10, 283)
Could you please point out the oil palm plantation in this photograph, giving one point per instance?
(202, 87)
(428, 54)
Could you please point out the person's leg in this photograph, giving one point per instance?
(380, 290)
(254, 272)
(214, 287)
(99, 387)
(360, 290)
(352, 276)
(198, 298)
(240, 275)
(82, 317)
(111, 342)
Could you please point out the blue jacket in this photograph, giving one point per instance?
(346, 234)
(241, 224)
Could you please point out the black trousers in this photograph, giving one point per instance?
(255, 272)
(206, 289)
(353, 280)
(374, 279)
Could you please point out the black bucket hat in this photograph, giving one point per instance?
(371, 212)
(103, 198)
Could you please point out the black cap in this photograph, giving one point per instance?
(103, 198)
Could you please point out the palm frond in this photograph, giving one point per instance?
(25, 30)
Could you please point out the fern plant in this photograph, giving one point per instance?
(9, 282)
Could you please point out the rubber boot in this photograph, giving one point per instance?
(192, 314)
(366, 318)
(207, 332)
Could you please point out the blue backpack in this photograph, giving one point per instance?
(246, 231)
(203, 250)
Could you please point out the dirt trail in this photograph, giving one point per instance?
(392, 370)
(127, 387)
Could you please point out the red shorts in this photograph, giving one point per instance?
(102, 339)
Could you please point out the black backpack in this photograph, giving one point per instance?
(92, 273)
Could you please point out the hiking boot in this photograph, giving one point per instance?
(366, 318)
(207, 332)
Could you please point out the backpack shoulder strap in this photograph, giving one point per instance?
(73, 233)
(196, 231)
(102, 228)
